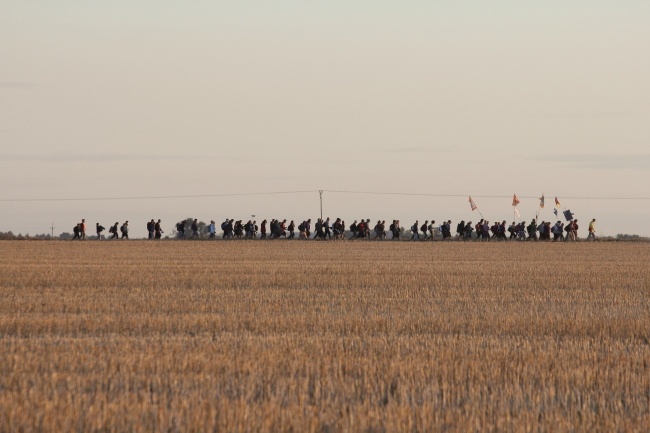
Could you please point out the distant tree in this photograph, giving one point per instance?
(43, 236)
(626, 237)
(203, 229)
(66, 235)
(7, 236)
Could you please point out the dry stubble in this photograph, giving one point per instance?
(323, 337)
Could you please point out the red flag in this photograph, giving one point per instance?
(515, 200)
(541, 201)
(472, 204)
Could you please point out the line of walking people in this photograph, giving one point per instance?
(325, 229)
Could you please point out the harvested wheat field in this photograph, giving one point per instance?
(324, 336)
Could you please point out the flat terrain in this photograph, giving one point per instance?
(324, 337)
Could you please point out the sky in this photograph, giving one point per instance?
(103, 100)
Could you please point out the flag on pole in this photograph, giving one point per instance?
(517, 213)
(557, 203)
(541, 201)
(472, 204)
(555, 211)
(515, 200)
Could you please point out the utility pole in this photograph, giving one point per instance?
(52, 228)
(320, 192)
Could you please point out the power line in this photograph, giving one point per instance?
(163, 197)
(479, 196)
(158, 197)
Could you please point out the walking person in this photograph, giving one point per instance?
(263, 229)
(157, 230)
(592, 230)
(574, 230)
(212, 229)
(195, 228)
(292, 230)
(423, 229)
(446, 232)
(308, 228)
(125, 230)
(353, 229)
(99, 229)
(150, 229)
(320, 234)
(113, 230)
(82, 228)
(414, 230)
(180, 229)
(326, 227)
(532, 231)
(77, 232)
(558, 230)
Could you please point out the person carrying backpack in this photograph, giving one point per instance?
(414, 230)
(460, 229)
(327, 233)
(99, 229)
(77, 232)
(125, 230)
(180, 228)
(150, 228)
(512, 230)
(353, 229)
(113, 231)
(446, 230)
(157, 230)
(423, 229)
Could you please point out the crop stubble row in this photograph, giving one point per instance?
(308, 336)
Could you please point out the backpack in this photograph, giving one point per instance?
(423, 228)
(75, 230)
(100, 229)
(123, 229)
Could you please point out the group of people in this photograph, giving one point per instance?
(521, 231)
(79, 230)
(326, 229)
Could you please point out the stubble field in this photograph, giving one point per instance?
(324, 336)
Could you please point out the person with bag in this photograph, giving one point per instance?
(157, 230)
(113, 231)
(99, 229)
(125, 230)
(414, 230)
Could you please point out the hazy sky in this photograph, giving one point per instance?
(108, 99)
